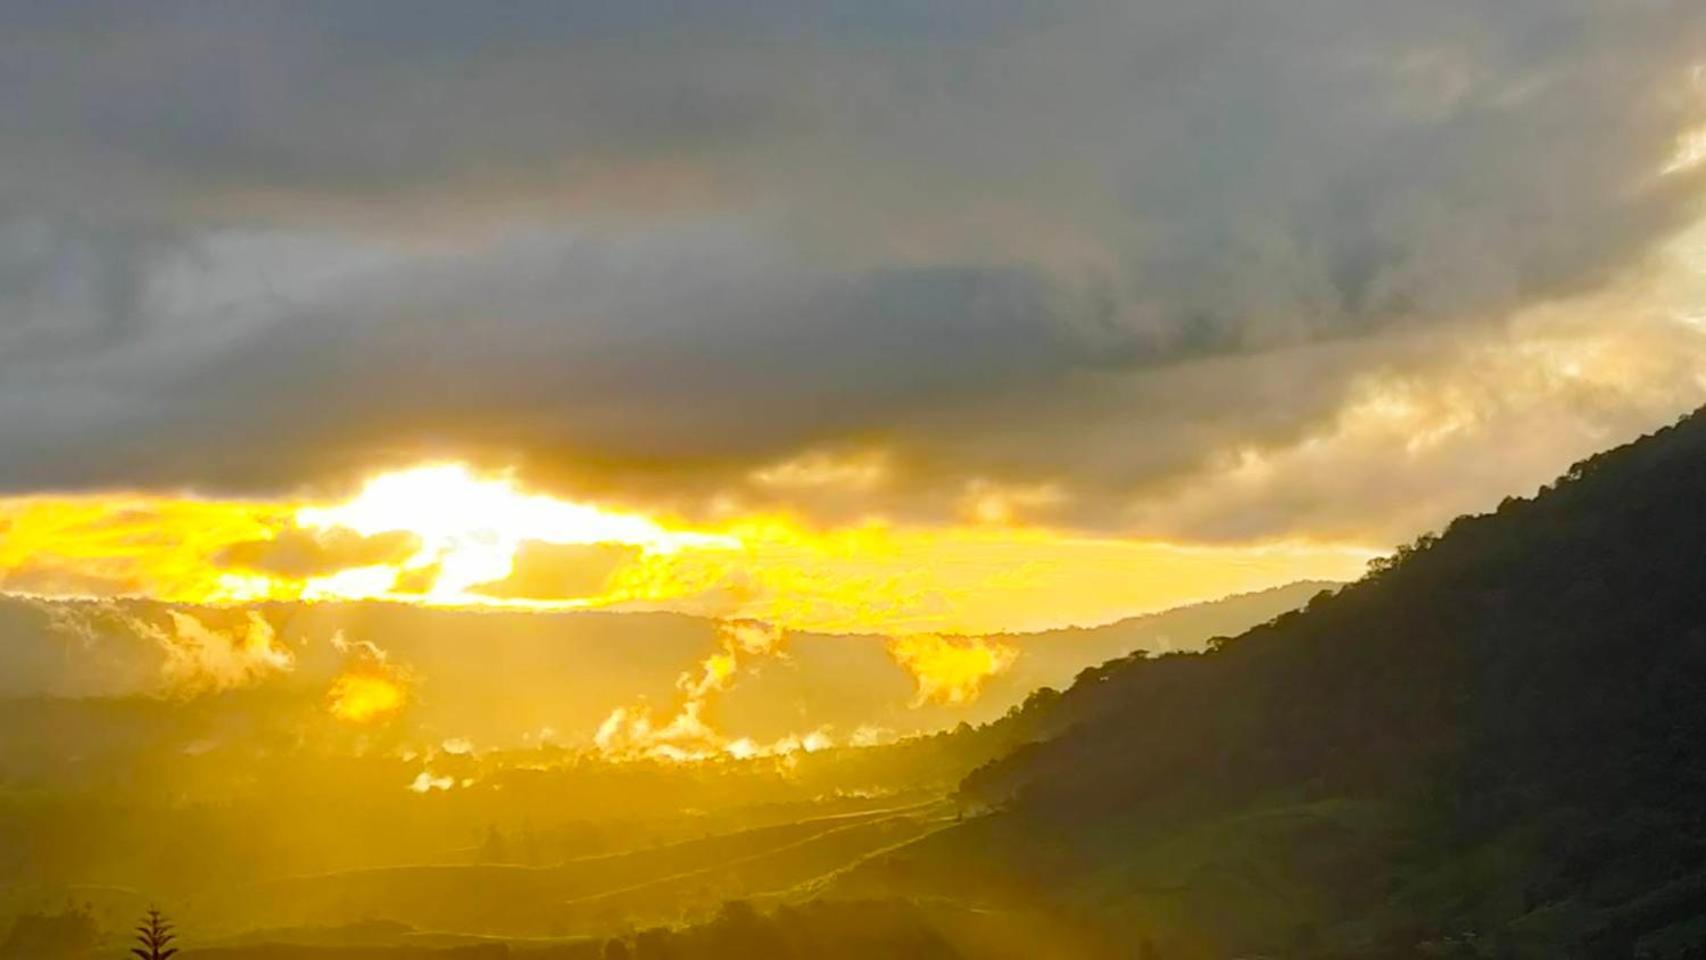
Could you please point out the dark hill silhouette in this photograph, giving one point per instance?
(1493, 745)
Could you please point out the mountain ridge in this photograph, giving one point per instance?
(518, 673)
(1490, 746)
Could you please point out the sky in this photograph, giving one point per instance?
(865, 316)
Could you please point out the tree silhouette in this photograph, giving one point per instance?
(155, 936)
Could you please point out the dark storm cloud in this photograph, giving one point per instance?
(246, 246)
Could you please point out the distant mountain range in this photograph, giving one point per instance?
(495, 678)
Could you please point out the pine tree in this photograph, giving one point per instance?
(155, 936)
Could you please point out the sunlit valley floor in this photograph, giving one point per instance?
(1488, 747)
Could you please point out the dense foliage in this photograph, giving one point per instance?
(1513, 708)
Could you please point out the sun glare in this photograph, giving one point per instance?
(470, 529)
(447, 535)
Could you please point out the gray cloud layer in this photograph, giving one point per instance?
(649, 246)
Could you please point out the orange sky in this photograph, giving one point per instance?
(444, 535)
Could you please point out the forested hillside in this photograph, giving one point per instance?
(1494, 745)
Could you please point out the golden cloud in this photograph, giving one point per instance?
(951, 670)
(202, 658)
(370, 689)
(445, 535)
(552, 571)
(633, 732)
